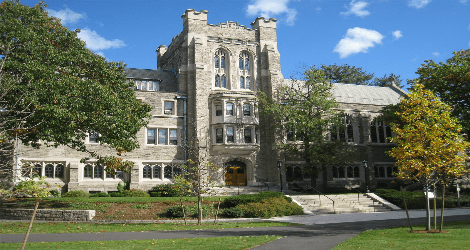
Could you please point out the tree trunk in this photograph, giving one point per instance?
(434, 203)
(428, 212)
(406, 208)
(30, 225)
(442, 209)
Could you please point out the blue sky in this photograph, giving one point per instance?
(381, 36)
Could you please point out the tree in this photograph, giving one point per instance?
(352, 75)
(307, 108)
(54, 91)
(430, 148)
(451, 81)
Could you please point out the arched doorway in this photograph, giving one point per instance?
(235, 173)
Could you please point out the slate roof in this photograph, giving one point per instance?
(364, 94)
(167, 78)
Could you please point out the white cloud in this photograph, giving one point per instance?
(463, 1)
(397, 34)
(357, 40)
(95, 42)
(435, 53)
(357, 8)
(271, 8)
(418, 4)
(66, 16)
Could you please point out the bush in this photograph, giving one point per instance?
(116, 194)
(414, 200)
(233, 212)
(100, 194)
(135, 193)
(233, 201)
(270, 207)
(76, 193)
(171, 190)
(177, 212)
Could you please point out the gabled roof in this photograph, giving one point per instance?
(364, 94)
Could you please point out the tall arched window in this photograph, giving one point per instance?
(220, 69)
(244, 67)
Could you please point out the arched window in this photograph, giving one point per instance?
(245, 72)
(49, 171)
(220, 69)
(380, 132)
(59, 171)
(88, 170)
(147, 171)
(343, 133)
(156, 171)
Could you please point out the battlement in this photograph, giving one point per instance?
(191, 14)
(262, 22)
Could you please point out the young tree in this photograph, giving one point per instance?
(352, 75)
(430, 147)
(306, 107)
(54, 91)
(451, 81)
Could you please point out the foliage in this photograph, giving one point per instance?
(451, 81)
(177, 189)
(116, 194)
(177, 211)
(414, 200)
(135, 193)
(76, 193)
(100, 194)
(120, 187)
(54, 91)
(270, 207)
(352, 75)
(429, 145)
(33, 188)
(233, 201)
(233, 212)
(307, 108)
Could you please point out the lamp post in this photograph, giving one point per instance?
(279, 166)
(367, 174)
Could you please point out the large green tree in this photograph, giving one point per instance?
(451, 81)
(307, 108)
(54, 91)
(430, 148)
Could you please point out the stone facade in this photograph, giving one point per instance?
(203, 95)
(47, 214)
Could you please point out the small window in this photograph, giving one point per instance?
(222, 62)
(242, 82)
(217, 81)
(218, 110)
(219, 135)
(98, 173)
(173, 137)
(59, 171)
(167, 172)
(150, 136)
(156, 171)
(247, 135)
(93, 137)
(230, 134)
(88, 171)
(49, 171)
(229, 109)
(246, 110)
(168, 108)
(224, 81)
(37, 170)
(247, 85)
(147, 171)
(162, 136)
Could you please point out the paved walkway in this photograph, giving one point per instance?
(316, 232)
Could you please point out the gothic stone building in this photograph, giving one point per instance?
(203, 95)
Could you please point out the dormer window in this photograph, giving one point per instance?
(147, 85)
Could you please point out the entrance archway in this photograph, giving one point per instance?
(235, 173)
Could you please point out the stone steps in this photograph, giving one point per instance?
(346, 203)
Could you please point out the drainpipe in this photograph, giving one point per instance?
(185, 127)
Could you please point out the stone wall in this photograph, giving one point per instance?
(47, 214)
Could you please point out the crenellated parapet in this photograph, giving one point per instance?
(191, 14)
(262, 22)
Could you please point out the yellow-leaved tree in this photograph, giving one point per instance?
(430, 148)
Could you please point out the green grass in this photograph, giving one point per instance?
(186, 243)
(72, 227)
(401, 238)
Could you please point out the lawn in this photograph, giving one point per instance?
(7, 227)
(222, 243)
(400, 238)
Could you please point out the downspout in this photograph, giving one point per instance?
(185, 128)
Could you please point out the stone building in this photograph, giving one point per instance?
(203, 95)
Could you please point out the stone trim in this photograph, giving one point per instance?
(47, 214)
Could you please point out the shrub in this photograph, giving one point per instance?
(177, 211)
(171, 190)
(414, 200)
(270, 207)
(100, 194)
(233, 201)
(233, 212)
(135, 193)
(120, 187)
(76, 193)
(116, 194)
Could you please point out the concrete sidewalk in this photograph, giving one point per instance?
(317, 232)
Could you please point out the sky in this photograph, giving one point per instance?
(381, 36)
